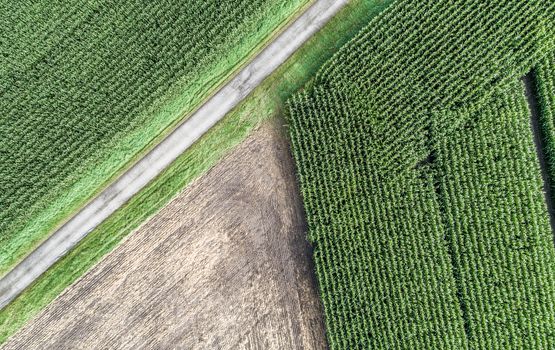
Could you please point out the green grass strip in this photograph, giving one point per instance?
(266, 102)
(111, 80)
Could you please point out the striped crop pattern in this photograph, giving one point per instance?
(87, 85)
(497, 225)
(544, 74)
(379, 249)
(428, 219)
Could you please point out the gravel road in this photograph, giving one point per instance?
(147, 168)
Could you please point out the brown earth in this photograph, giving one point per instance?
(223, 266)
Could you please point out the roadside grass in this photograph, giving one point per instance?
(264, 103)
(31, 214)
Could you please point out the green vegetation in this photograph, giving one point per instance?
(497, 225)
(267, 101)
(379, 249)
(427, 218)
(545, 90)
(87, 86)
(415, 157)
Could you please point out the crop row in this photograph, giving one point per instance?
(85, 86)
(438, 55)
(410, 245)
(381, 260)
(497, 225)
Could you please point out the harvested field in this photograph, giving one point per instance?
(224, 265)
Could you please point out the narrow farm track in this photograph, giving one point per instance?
(147, 168)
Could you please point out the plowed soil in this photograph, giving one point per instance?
(225, 265)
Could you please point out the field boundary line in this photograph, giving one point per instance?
(162, 155)
(529, 81)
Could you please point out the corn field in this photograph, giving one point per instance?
(88, 85)
(421, 184)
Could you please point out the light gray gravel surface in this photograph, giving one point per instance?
(147, 168)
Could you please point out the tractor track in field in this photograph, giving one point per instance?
(529, 81)
(152, 164)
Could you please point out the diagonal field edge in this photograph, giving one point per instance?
(151, 165)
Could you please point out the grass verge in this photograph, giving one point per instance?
(102, 150)
(265, 102)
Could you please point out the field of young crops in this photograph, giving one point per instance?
(87, 85)
(421, 183)
(378, 241)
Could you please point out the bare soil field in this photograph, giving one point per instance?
(225, 265)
